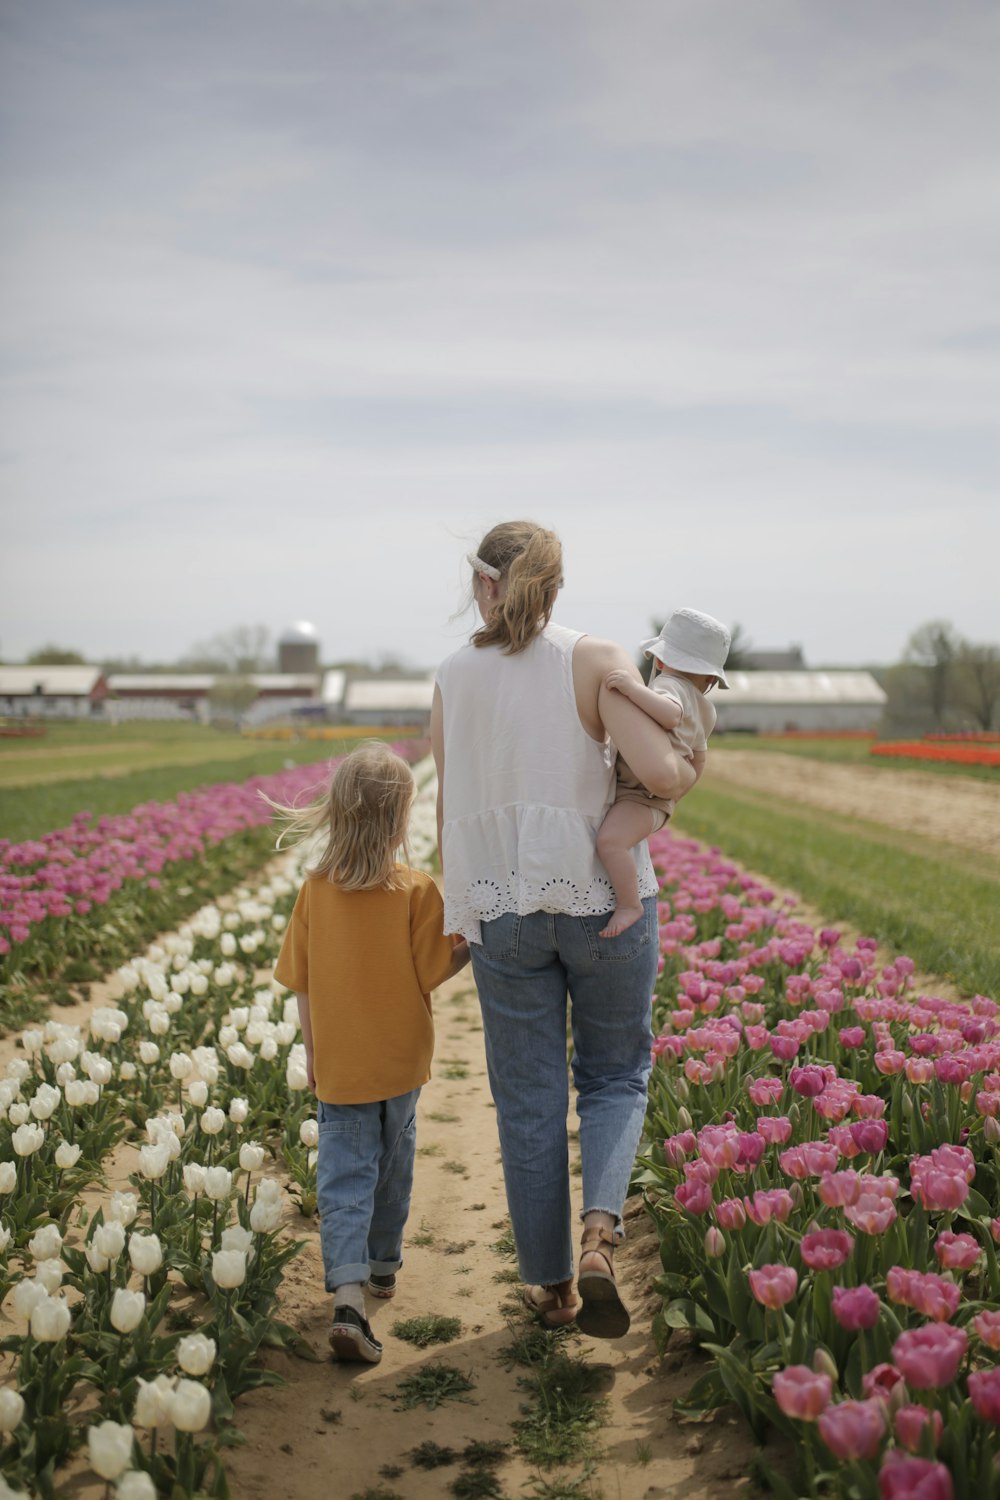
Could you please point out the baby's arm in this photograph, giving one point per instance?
(697, 764)
(662, 709)
(305, 1023)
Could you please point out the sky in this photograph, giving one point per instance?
(298, 299)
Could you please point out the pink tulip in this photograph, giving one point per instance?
(913, 1479)
(889, 1062)
(769, 1203)
(885, 1383)
(838, 1189)
(910, 1424)
(696, 1197)
(775, 1129)
(928, 1293)
(730, 1213)
(808, 1081)
(871, 1213)
(984, 1393)
(853, 1429)
(801, 1393)
(929, 1357)
(715, 1243)
(870, 1136)
(957, 1252)
(987, 1326)
(826, 1249)
(774, 1285)
(856, 1307)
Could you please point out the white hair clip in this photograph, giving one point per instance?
(481, 567)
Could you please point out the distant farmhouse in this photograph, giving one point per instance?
(775, 702)
(299, 690)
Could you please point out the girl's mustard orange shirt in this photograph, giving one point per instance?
(368, 961)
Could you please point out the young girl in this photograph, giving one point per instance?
(364, 948)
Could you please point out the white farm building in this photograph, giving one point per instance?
(775, 702)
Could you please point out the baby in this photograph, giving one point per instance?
(689, 655)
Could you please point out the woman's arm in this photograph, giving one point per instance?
(305, 1023)
(663, 709)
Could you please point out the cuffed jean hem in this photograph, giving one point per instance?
(595, 1208)
(384, 1267)
(343, 1275)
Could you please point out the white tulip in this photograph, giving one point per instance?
(18, 1068)
(97, 1262)
(173, 1003)
(145, 1253)
(5, 1237)
(149, 1053)
(196, 1354)
(109, 1448)
(50, 1320)
(251, 1156)
(309, 1133)
(27, 1295)
(181, 1065)
(46, 1243)
(65, 1073)
(129, 977)
(227, 1036)
(269, 1190)
(238, 1110)
(238, 1238)
(229, 1268)
(191, 1406)
(180, 983)
(135, 1485)
(227, 945)
(213, 1120)
(11, 1409)
(218, 1183)
(123, 1207)
(194, 1178)
(127, 1310)
(100, 1071)
(279, 922)
(249, 943)
(8, 1176)
(49, 1274)
(268, 1049)
(240, 1056)
(32, 1041)
(198, 1093)
(224, 976)
(45, 1101)
(152, 1402)
(156, 985)
(19, 1113)
(126, 1072)
(264, 1216)
(230, 920)
(67, 1155)
(199, 984)
(154, 1160)
(159, 1022)
(109, 1239)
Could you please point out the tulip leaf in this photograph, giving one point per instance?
(684, 1313)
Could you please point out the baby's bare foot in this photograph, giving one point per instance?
(621, 918)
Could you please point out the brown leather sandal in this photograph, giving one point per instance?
(603, 1314)
(554, 1306)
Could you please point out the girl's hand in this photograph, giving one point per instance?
(620, 681)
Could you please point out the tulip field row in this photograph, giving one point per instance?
(80, 899)
(821, 1163)
(950, 753)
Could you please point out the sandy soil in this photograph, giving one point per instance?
(957, 810)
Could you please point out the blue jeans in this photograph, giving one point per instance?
(364, 1178)
(524, 969)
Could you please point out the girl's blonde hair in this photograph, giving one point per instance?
(530, 558)
(363, 814)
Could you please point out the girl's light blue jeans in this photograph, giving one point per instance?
(364, 1178)
(525, 968)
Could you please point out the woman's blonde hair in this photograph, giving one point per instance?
(530, 559)
(363, 814)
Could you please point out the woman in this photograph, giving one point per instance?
(524, 732)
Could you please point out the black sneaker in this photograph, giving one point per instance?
(351, 1337)
(382, 1286)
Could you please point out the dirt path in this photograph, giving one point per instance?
(958, 811)
(335, 1432)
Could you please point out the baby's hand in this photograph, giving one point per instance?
(620, 681)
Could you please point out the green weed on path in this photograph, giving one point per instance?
(933, 901)
(427, 1330)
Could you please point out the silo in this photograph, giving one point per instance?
(298, 648)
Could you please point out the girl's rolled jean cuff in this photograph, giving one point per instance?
(619, 1229)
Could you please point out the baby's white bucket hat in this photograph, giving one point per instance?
(692, 642)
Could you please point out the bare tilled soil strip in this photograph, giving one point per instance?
(956, 810)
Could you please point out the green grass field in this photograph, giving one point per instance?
(102, 768)
(930, 900)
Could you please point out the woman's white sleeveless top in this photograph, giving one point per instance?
(525, 788)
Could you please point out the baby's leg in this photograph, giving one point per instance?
(685, 775)
(626, 824)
